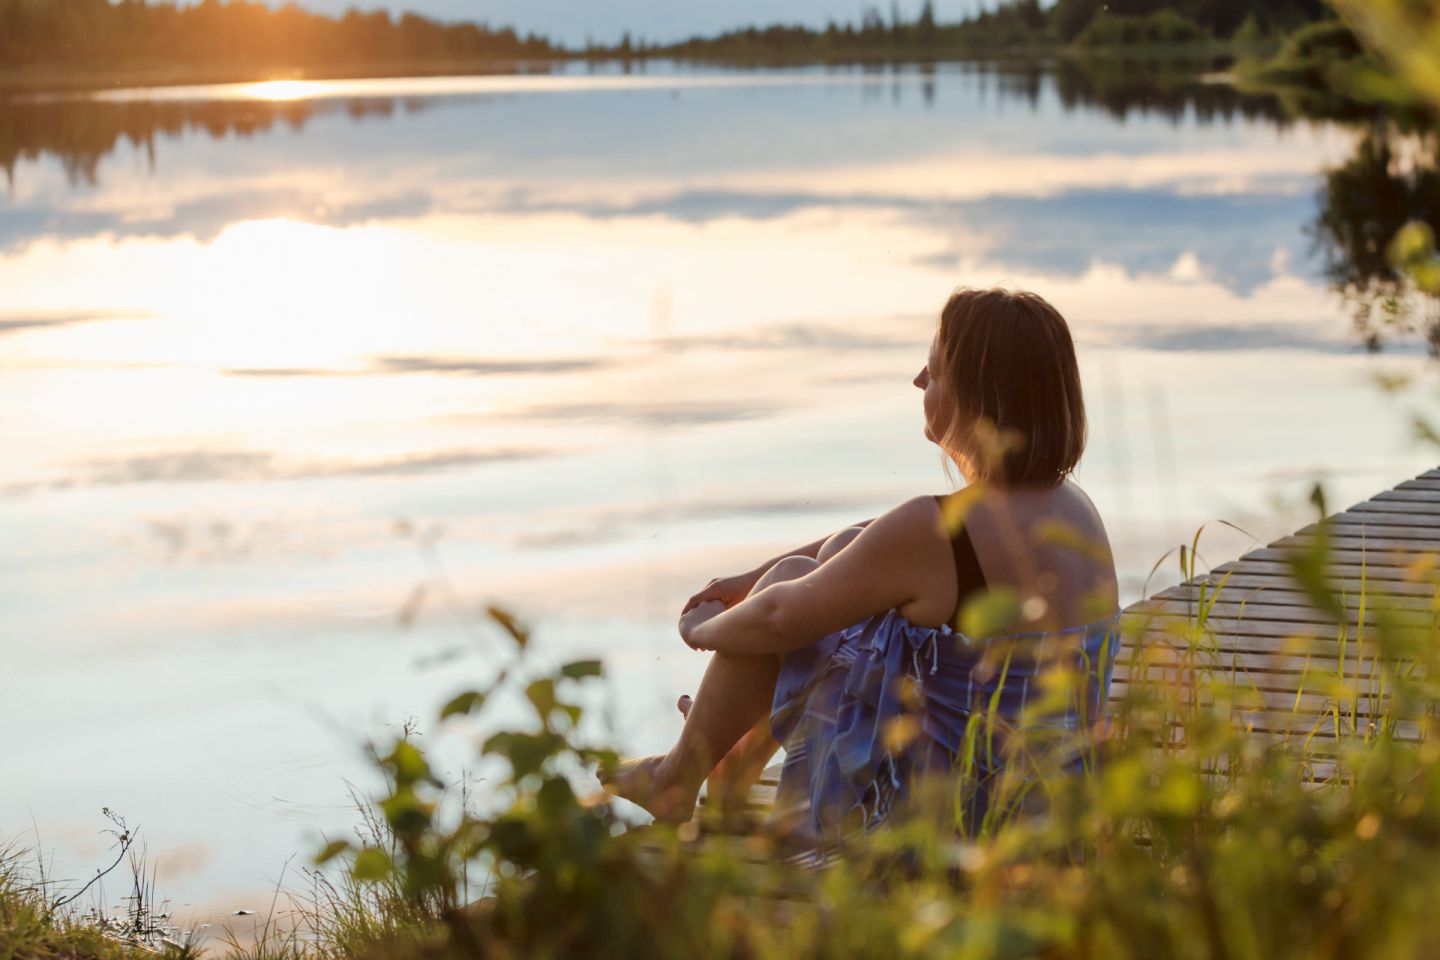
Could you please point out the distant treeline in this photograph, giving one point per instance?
(1024, 23)
(240, 34)
(98, 33)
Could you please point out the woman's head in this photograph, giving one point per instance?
(1002, 389)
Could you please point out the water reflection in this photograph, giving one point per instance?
(80, 132)
(1179, 90)
(1391, 179)
(615, 338)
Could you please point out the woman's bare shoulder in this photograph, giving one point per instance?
(919, 516)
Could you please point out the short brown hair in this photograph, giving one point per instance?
(1009, 363)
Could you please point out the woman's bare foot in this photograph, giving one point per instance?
(646, 782)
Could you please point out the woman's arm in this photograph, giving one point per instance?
(811, 550)
(731, 590)
(894, 561)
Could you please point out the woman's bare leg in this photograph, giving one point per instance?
(731, 706)
(730, 782)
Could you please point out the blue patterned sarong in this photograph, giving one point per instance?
(840, 702)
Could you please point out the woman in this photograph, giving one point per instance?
(827, 649)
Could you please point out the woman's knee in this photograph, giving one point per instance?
(837, 542)
(788, 568)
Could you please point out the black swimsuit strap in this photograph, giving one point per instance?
(969, 578)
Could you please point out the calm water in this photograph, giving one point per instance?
(596, 338)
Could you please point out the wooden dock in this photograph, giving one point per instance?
(1297, 668)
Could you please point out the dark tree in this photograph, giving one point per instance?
(1070, 17)
(925, 27)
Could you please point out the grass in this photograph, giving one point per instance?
(33, 928)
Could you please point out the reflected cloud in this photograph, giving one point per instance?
(459, 366)
(438, 366)
(21, 323)
(203, 536)
(644, 414)
(807, 337)
(412, 465)
(1144, 230)
(1228, 338)
(204, 218)
(240, 466)
(601, 526)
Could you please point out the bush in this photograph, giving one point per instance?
(1327, 41)
(1161, 27)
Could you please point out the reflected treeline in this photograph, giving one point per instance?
(1177, 89)
(1392, 178)
(82, 132)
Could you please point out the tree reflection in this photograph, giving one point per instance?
(1392, 179)
(82, 132)
(1178, 90)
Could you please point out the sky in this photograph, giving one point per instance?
(572, 21)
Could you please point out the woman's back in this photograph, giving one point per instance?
(1046, 548)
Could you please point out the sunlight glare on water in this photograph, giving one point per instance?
(279, 89)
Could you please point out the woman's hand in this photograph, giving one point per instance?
(694, 616)
(727, 590)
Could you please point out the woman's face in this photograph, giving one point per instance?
(938, 407)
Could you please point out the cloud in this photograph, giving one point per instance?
(240, 466)
(399, 365)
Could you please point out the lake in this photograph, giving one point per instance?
(298, 376)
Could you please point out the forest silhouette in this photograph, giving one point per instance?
(91, 33)
(97, 34)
